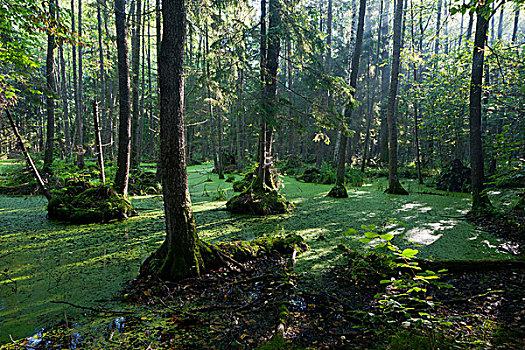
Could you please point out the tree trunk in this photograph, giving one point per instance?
(480, 200)
(339, 190)
(29, 161)
(65, 103)
(102, 72)
(124, 142)
(50, 94)
(438, 27)
(516, 22)
(135, 66)
(383, 133)
(80, 116)
(393, 180)
(98, 142)
(179, 256)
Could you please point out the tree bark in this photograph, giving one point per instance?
(135, 66)
(65, 103)
(179, 256)
(383, 133)
(124, 142)
(98, 142)
(50, 94)
(516, 22)
(393, 179)
(480, 200)
(102, 72)
(80, 116)
(339, 190)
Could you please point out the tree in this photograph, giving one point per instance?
(135, 66)
(178, 257)
(50, 93)
(480, 200)
(124, 141)
(339, 190)
(394, 186)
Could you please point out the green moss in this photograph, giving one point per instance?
(258, 203)
(81, 203)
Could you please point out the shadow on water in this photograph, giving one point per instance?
(43, 261)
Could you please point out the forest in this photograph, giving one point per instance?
(273, 174)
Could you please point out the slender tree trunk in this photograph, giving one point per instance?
(50, 94)
(98, 142)
(80, 116)
(393, 179)
(135, 66)
(480, 200)
(29, 161)
(383, 134)
(438, 27)
(516, 22)
(291, 123)
(78, 147)
(65, 103)
(102, 73)
(124, 142)
(179, 256)
(339, 190)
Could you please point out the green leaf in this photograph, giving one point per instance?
(365, 240)
(371, 235)
(350, 231)
(409, 252)
(384, 281)
(387, 236)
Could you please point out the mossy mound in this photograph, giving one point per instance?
(338, 191)
(327, 176)
(81, 202)
(143, 182)
(454, 178)
(263, 203)
(243, 184)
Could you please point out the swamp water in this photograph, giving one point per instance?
(43, 261)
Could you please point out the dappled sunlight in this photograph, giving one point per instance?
(424, 236)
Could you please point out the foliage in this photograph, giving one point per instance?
(326, 175)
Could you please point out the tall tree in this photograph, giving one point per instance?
(480, 200)
(394, 186)
(50, 93)
(124, 141)
(80, 108)
(178, 257)
(135, 66)
(339, 189)
(384, 66)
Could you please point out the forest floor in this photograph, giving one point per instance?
(330, 300)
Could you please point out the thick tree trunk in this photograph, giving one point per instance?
(179, 256)
(339, 190)
(50, 94)
(480, 200)
(124, 142)
(78, 147)
(394, 186)
(135, 66)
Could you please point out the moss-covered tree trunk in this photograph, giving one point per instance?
(178, 257)
(479, 198)
(394, 186)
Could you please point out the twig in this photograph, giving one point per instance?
(92, 308)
